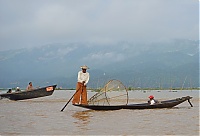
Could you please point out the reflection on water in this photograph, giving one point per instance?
(82, 119)
(184, 107)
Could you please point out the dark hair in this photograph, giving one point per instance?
(29, 83)
(9, 91)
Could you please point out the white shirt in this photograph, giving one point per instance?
(152, 102)
(83, 77)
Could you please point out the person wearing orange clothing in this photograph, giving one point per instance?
(80, 96)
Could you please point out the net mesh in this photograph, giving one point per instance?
(113, 93)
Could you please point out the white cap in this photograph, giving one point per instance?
(84, 67)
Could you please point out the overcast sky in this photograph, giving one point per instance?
(30, 23)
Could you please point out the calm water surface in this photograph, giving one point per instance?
(42, 116)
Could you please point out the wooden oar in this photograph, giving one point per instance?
(69, 101)
(190, 103)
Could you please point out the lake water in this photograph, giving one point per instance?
(42, 116)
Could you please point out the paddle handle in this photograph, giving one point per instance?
(68, 101)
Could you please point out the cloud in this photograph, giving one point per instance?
(26, 23)
(103, 58)
(59, 53)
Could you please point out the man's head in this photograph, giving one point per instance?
(151, 97)
(84, 68)
(30, 83)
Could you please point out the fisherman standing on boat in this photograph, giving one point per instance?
(81, 86)
(30, 86)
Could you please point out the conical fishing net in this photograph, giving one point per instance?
(113, 93)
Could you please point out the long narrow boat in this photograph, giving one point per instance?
(35, 93)
(161, 104)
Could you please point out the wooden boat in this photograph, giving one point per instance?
(161, 104)
(35, 93)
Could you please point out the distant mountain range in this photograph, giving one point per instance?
(168, 64)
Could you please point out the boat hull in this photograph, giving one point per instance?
(35, 93)
(162, 104)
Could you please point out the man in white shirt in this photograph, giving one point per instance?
(81, 86)
(152, 101)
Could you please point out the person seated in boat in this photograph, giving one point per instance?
(17, 89)
(30, 86)
(151, 100)
(9, 91)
